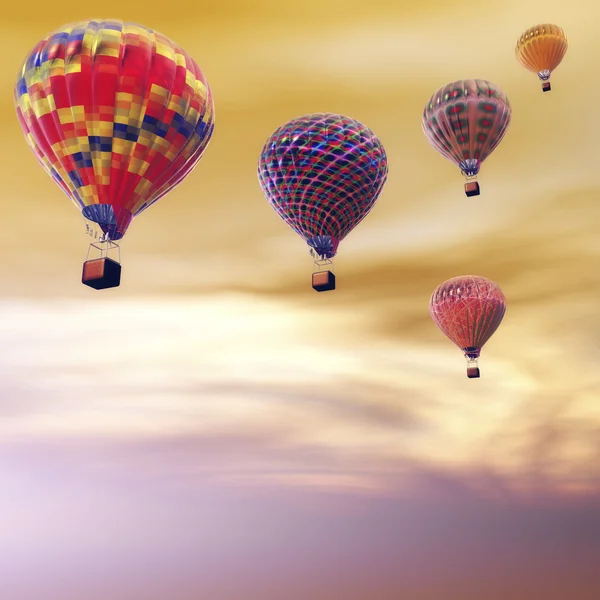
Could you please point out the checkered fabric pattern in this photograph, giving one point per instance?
(468, 310)
(116, 113)
(322, 173)
(466, 120)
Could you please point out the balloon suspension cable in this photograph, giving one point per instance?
(321, 262)
(104, 249)
(102, 246)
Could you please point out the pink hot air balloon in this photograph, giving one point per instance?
(468, 310)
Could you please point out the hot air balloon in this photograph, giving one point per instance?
(541, 49)
(322, 173)
(118, 115)
(468, 310)
(464, 121)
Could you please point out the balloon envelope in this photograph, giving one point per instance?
(465, 121)
(541, 49)
(116, 113)
(322, 173)
(468, 310)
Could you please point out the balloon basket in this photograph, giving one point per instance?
(323, 280)
(102, 272)
(471, 188)
(472, 369)
(546, 87)
(473, 372)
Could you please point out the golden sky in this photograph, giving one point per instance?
(333, 435)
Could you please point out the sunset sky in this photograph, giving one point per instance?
(226, 433)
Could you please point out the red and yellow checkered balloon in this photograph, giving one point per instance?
(118, 115)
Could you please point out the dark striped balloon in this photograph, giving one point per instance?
(465, 121)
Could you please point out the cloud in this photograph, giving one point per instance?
(305, 408)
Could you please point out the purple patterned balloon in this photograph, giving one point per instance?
(322, 174)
